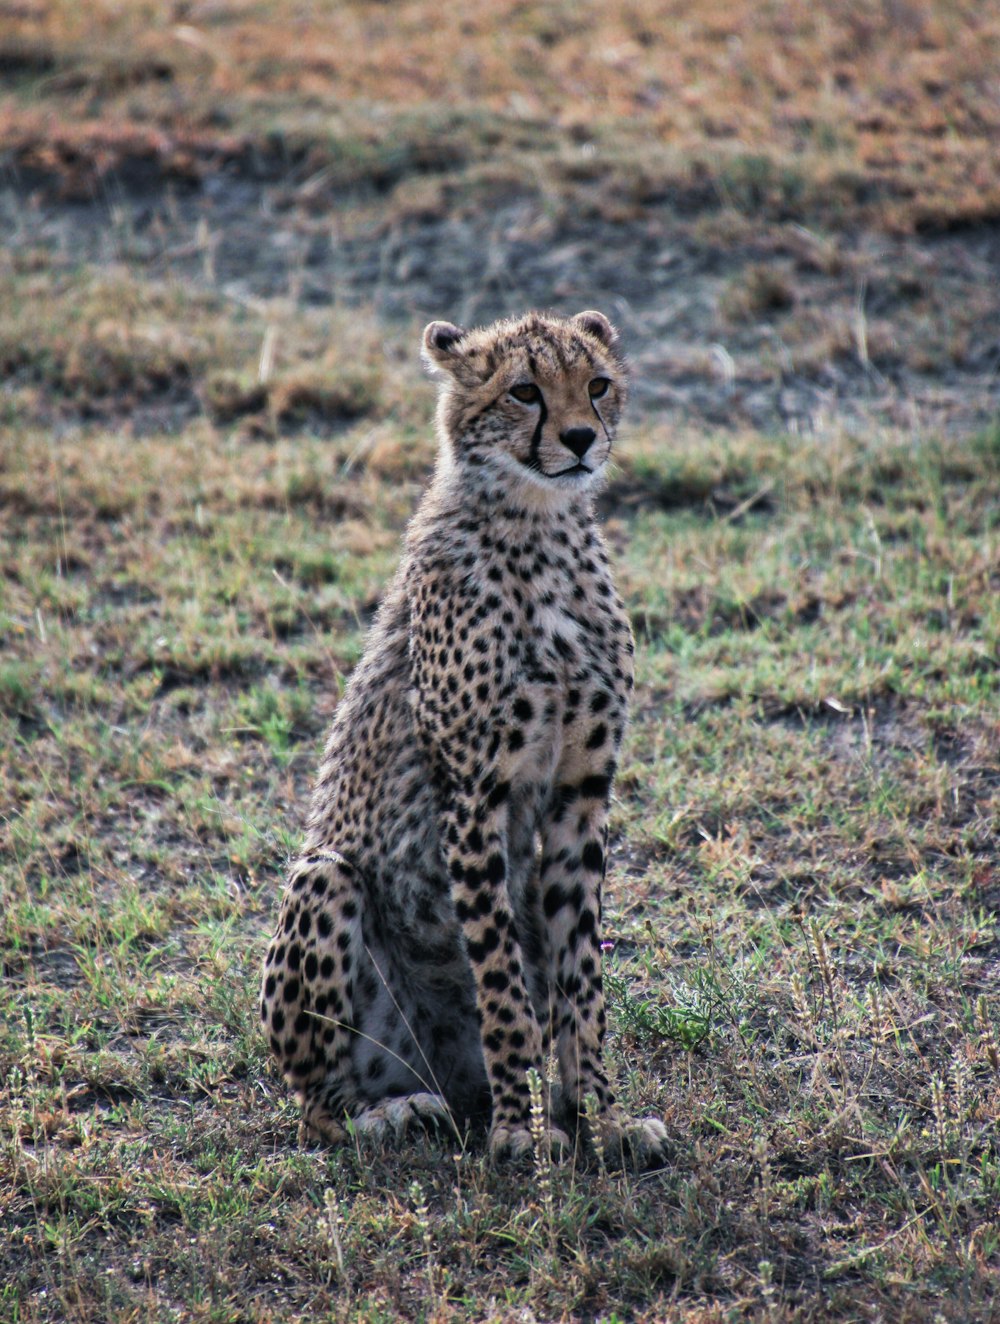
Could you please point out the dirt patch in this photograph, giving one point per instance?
(730, 319)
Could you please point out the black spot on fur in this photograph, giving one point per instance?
(592, 857)
(598, 736)
(595, 787)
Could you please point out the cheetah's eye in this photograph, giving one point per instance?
(527, 392)
(598, 387)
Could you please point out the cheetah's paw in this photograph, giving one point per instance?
(318, 1127)
(512, 1142)
(392, 1119)
(629, 1142)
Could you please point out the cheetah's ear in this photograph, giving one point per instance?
(441, 340)
(597, 325)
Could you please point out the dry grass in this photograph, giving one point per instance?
(885, 108)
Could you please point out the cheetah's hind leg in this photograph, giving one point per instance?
(307, 997)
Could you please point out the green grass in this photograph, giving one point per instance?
(802, 903)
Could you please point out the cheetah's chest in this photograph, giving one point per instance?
(564, 663)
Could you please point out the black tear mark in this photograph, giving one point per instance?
(536, 439)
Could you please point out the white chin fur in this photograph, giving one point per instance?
(537, 488)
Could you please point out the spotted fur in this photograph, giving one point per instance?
(440, 930)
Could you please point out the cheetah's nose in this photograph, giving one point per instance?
(578, 440)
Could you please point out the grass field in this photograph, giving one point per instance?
(205, 471)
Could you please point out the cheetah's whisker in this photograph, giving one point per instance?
(402, 1016)
(353, 1029)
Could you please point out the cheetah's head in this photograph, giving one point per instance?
(534, 401)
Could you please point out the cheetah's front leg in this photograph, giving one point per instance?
(474, 836)
(572, 875)
(463, 734)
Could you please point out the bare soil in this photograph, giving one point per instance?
(731, 318)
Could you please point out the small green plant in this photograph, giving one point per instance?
(542, 1153)
(687, 1020)
(18, 688)
(273, 714)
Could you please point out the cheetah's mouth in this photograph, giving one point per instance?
(573, 469)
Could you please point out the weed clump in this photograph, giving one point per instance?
(757, 292)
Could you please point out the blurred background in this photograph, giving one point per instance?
(789, 208)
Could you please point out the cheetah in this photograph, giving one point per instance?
(439, 933)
